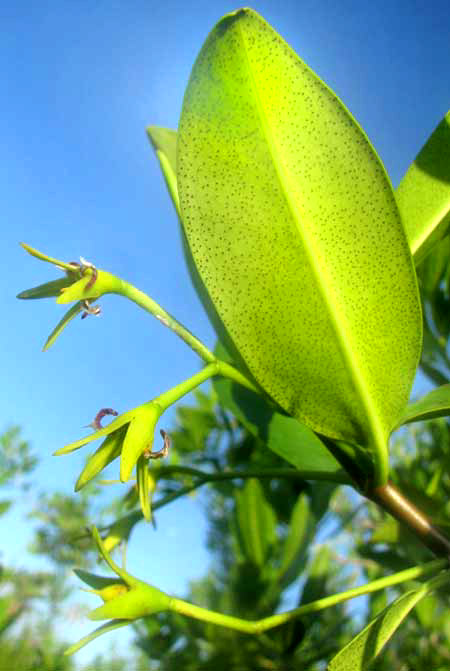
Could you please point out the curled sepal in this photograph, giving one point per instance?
(139, 437)
(108, 451)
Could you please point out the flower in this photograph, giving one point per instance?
(124, 597)
(82, 283)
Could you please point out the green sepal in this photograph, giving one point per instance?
(143, 485)
(125, 418)
(97, 582)
(104, 629)
(48, 259)
(61, 325)
(109, 450)
(47, 290)
(139, 437)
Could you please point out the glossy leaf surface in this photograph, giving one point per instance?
(423, 195)
(295, 231)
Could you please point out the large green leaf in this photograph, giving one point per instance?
(359, 654)
(434, 404)
(423, 195)
(295, 232)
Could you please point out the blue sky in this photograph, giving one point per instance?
(81, 81)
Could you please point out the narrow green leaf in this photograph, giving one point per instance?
(256, 521)
(289, 438)
(434, 404)
(297, 541)
(61, 325)
(423, 195)
(47, 290)
(296, 234)
(364, 648)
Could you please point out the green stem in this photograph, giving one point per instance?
(123, 288)
(258, 626)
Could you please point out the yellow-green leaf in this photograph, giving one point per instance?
(295, 231)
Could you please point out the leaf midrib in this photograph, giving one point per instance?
(320, 274)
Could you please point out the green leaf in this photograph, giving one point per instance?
(364, 648)
(256, 521)
(423, 195)
(434, 404)
(296, 542)
(290, 439)
(47, 290)
(296, 234)
(70, 314)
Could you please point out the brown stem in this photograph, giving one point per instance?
(393, 501)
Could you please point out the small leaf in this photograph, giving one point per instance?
(294, 228)
(364, 648)
(423, 195)
(434, 404)
(256, 521)
(70, 314)
(47, 290)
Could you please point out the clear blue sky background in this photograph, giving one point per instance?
(81, 81)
